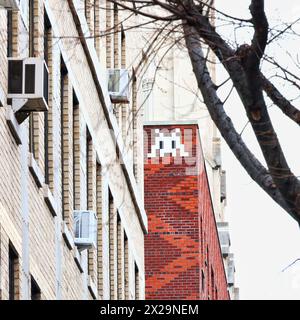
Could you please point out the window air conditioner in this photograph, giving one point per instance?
(223, 231)
(85, 229)
(223, 186)
(9, 4)
(118, 85)
(28, 84)
(217, 152)
(230, 270)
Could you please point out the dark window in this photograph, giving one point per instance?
(173, 144)
(119, 257)
(46, 128)
(46, 84)
(86, 8)
(88, 155)
(96, 26)
(76, 144)
(31, 27)
(12, 272)
(47, 57)
(137, 283)
(30, 78)
(47, 35)
(31, 54)
(212, 285)
(126, 266)
(31, 134)
(208, 269)
(111, 244)
(161, 145)
(9, 34)
(15, 73)
(63, 75)
(202, 280)
(35, 290)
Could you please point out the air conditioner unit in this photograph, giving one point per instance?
(9, 4)
(85, 229)
(223, 231)
(28, 84)
(223, 186)
(118, 85)
(217, 152)
(230, 270)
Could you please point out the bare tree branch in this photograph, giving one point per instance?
(216, 109)
(279, 100)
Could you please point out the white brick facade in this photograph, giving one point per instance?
(36, 218)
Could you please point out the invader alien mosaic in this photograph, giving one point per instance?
(167, 143)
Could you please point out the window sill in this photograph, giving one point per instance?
(77, 259)
(67, 236)
(13, 125)
(35, 170)
(92, 288)
(49, 199)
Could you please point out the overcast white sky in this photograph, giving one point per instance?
(264, 237)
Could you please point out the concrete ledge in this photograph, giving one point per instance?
(35, 170)
(66, 233)
(13, 125)
(78, 259)
(49, 199)
(92, 288)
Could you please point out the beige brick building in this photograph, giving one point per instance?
(81, 154)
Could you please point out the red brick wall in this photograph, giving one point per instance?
(177, 201)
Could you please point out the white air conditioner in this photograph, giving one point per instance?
(118, 85)
(9, 4)
(230, 270)
(224, 237)
(85, 228)
(28, 84)
(217, 152)
(223, 186)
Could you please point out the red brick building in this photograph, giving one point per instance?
(183, 259)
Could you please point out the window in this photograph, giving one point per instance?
(119, 259)
(212, 284)
(31, 54)
(13, 269)
(112, 246)
(76, 153)
(35, 290)
(135, 112)
(137, 283)
(201, 236)
(91, 196)
(96, 25)
(99, 235)
(87, 9)
(207, 267)
(202, 281)
(123, 48)
(9, 33)
(117, 38)
(88, 162)
(31, 27)
(126, 265)
(63, 106)
(48, 58)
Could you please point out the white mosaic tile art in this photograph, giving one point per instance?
(167, 144)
